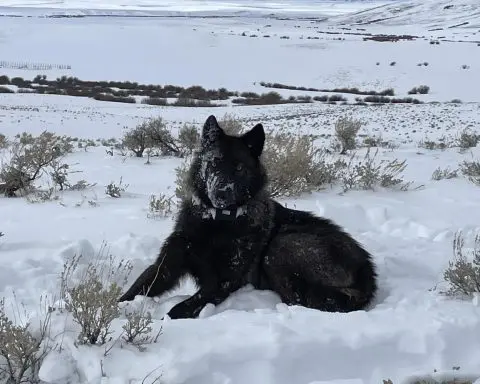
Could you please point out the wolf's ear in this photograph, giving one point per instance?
(211, 131)
(254, 139)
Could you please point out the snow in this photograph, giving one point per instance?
(411, 331)
(192, 7)
(429, 13)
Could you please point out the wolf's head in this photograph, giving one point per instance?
(227, 171)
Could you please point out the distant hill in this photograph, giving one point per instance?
(433, 13)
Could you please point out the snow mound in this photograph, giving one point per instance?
(430, 13)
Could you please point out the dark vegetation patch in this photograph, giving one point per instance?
(390, 38)
(386, 100)
(193, 96)
(355, 91)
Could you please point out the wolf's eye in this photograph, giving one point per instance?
(239, 167)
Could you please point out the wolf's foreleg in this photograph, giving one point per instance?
(213, 293)
(165, 273)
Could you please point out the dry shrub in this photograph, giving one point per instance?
(346, 130)
(463, 273)
(93, 301)
(467, 139)
(421, 89)
(188, 139)
(471, 169)
(231, 124)
(21, 350)
(293, 164)
(442, 174)
(3, 141)
(152, 133)
(374, 141)
(138, 328)
(160, 206)
(432, 145)
(30, 157)
(116, 190)
(369, 173)
(182, 188)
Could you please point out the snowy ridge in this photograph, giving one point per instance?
(301, 8)
(431, 13)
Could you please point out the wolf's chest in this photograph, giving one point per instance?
(230, 253)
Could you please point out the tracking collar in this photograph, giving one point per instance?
(219, 214)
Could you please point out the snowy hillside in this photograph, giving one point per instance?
(431, 13)
(413, 87)
(308, 8)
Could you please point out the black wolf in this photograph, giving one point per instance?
(229, 232)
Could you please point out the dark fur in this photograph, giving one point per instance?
(307, 260)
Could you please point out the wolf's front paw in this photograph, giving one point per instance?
(183, 311)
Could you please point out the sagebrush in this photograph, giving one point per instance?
(471, 169)
(160, 206)
(346, 130)
(90, 292)
(367, 173)
(151, 134)
(30, 157)
(463, 272)
(21, 350)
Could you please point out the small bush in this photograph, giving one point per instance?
(114, 190)
(93, 301)
(289, 160)
(368, 173)
(187, 102)
(138, 328)
(22, 350)
(471, 169)
(4, 80)
(421, 89)
(182, 190)
(463, 273)
(3, 141)
(442, 174)
(80, 185)
(346, 130)
(30, 158)
(323, 98)
(335, 98)
(155, 101)
(432, 145)
(231, 124)
(188, 139)
(467, 139)
(150, 134)
(374, 141)
(269, 98)
(160, 206)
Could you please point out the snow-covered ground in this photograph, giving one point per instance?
(251, 338)
(305, 8)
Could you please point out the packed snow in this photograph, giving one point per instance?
(411, 332)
